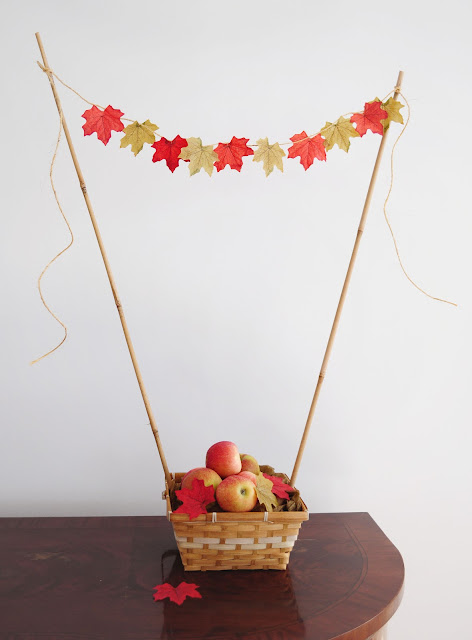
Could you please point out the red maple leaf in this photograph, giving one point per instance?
(169, 150)
(196, 499)
(279, 488)
(231, 153)
(307, 148)
(102, 122)
(178, 594)
(370, 118)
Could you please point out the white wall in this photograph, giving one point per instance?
(230, 283)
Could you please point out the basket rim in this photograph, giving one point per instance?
(230, 516)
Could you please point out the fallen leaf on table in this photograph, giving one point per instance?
(102, 122)
(196, 499)
(137, 135)
(177, 595)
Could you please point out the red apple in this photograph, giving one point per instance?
(249, 463)
(248, 474)
(236, 493)
(208, 476)
(223, 457)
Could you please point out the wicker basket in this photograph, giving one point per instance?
(219, 541)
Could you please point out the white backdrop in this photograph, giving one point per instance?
(230, 284)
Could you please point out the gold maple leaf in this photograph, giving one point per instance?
(338, 133)
(201, 157)
(137, 135)
(270, 155)
(264, 492)
(392, 107)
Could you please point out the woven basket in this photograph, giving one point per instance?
(219, 541)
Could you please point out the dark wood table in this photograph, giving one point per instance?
(93, 579)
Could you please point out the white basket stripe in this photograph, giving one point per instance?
(282, 545)
(270, 539)
(253, 546)
(226, 547)
(291, 538)
(181, 538)
(190, 545)
(207, 540)
(239, 540)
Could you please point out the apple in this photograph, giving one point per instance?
(236, 493)
(248, 474)
(249, 463)
(208, 476)
(223, 457)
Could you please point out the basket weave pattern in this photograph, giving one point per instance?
(219, 541)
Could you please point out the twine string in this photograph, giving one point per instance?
(51, 169)
(397, 90)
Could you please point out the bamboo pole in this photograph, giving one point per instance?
(342, 298)
(107, 264)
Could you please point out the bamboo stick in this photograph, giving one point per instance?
(342, 298)
(107, 264)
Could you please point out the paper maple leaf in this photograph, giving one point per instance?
(137, 135)
(392, 107)
(169, 150)
(338, 133)
(270, 155)
(264, 492)
(231, 153)
(177, 595)
(201, 157)
(371, 118)
(279, 488)
(102, 122)
(196, 499)
(307, 148)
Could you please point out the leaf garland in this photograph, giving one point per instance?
(375, 117)
(392, 107)
(201, 157)
(169, 150)
(371, 118)
(270, 155)
(102, 122)
(307, 148)
(339, 133)
(137, 135)
(231, 154)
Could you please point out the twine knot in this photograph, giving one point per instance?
(45, 69)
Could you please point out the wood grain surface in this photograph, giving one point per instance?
(93, 579)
